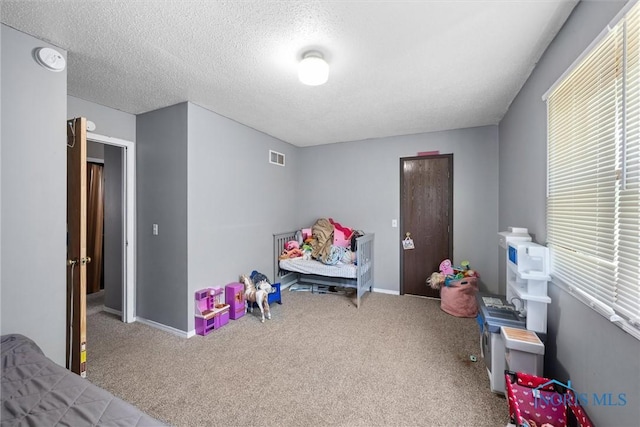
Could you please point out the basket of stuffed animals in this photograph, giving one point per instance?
(458, 298)
(458, 287)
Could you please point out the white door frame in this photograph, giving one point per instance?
(129, 232)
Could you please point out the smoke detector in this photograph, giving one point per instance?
(50, 59)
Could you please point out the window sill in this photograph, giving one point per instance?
(602, 309)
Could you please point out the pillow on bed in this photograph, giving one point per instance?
(340, 238)
(341, 234)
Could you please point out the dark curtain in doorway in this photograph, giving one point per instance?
(95, 225)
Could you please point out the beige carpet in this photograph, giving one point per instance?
(95, 302)
(397, 361)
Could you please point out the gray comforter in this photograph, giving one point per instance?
(38, 392)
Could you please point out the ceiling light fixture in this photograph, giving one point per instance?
(313, 69)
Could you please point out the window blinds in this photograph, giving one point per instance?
(628, 210)
(593, 215)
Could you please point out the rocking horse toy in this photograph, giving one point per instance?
(257, 294)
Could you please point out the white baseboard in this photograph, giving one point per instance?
(112, 311)
(165, 328)
(386, 291)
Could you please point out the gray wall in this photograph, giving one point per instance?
(358, 185)
(161, 189)
(582, 346)
(34, 105)
(95, 150)
(113, 227)
(109, 121)
(206, 181)
(236, 200)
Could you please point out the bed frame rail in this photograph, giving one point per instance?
(285, 278)
(365, 264)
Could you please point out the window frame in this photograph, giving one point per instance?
(602, 296)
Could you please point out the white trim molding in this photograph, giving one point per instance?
(165, 328)
(129, 215)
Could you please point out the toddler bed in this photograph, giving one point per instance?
(308, 271)
(38, 392)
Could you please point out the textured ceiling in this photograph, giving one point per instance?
(397, 67)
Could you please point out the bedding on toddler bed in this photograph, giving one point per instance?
(327, 241)
(38, 392)
(308, 266)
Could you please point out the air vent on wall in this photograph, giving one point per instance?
(276, 158)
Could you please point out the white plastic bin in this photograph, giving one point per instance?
(524, 352)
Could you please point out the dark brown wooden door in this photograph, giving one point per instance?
(77, 245)
(426, 211)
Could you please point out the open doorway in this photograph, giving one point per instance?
(96, 228)
(105, 243)
(117, 289)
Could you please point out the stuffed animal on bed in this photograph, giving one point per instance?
(306, 252)
(291, 245)
(293, 253)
